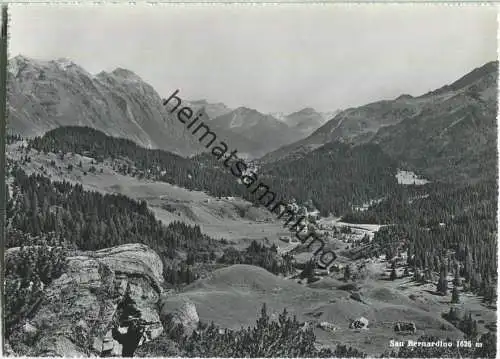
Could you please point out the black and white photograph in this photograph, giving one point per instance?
(249, 180)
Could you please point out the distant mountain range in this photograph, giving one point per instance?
(44, 95)
(265, 131)
(446, 134)
(256, 133)
(308, 119)
(212, 110)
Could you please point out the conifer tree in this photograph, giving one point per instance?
(347, 272)
(442, 284)
(455, 296)
(393, 275)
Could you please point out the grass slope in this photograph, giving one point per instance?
(232, 296)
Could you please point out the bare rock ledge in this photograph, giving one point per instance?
(78, 311)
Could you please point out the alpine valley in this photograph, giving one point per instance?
(127, 238)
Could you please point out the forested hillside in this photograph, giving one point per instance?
(56, 217)
(145, 163)
(448, 134)
(334, 177)
(90, 220)
(431, 204)
(442, 225)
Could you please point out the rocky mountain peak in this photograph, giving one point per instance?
(21, 63)
(126, 74)
(64, 63)
(307, 110)
(44, 95)
(245, 110)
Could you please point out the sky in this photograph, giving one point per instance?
(273, 58)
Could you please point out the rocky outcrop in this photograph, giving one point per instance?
(144, 261)
(80, 310)
(327, 326)
(184, 315)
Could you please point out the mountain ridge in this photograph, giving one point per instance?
(455, 120)
(44, 95)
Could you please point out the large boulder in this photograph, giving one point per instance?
(132, 259)
(327, 326)
(360, 323)
(405, 327)
(184, 315)
(78, 310)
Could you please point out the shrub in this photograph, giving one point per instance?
(286, 337)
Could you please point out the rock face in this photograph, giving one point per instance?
(44, 95)
(79, 310)
(184, 315)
